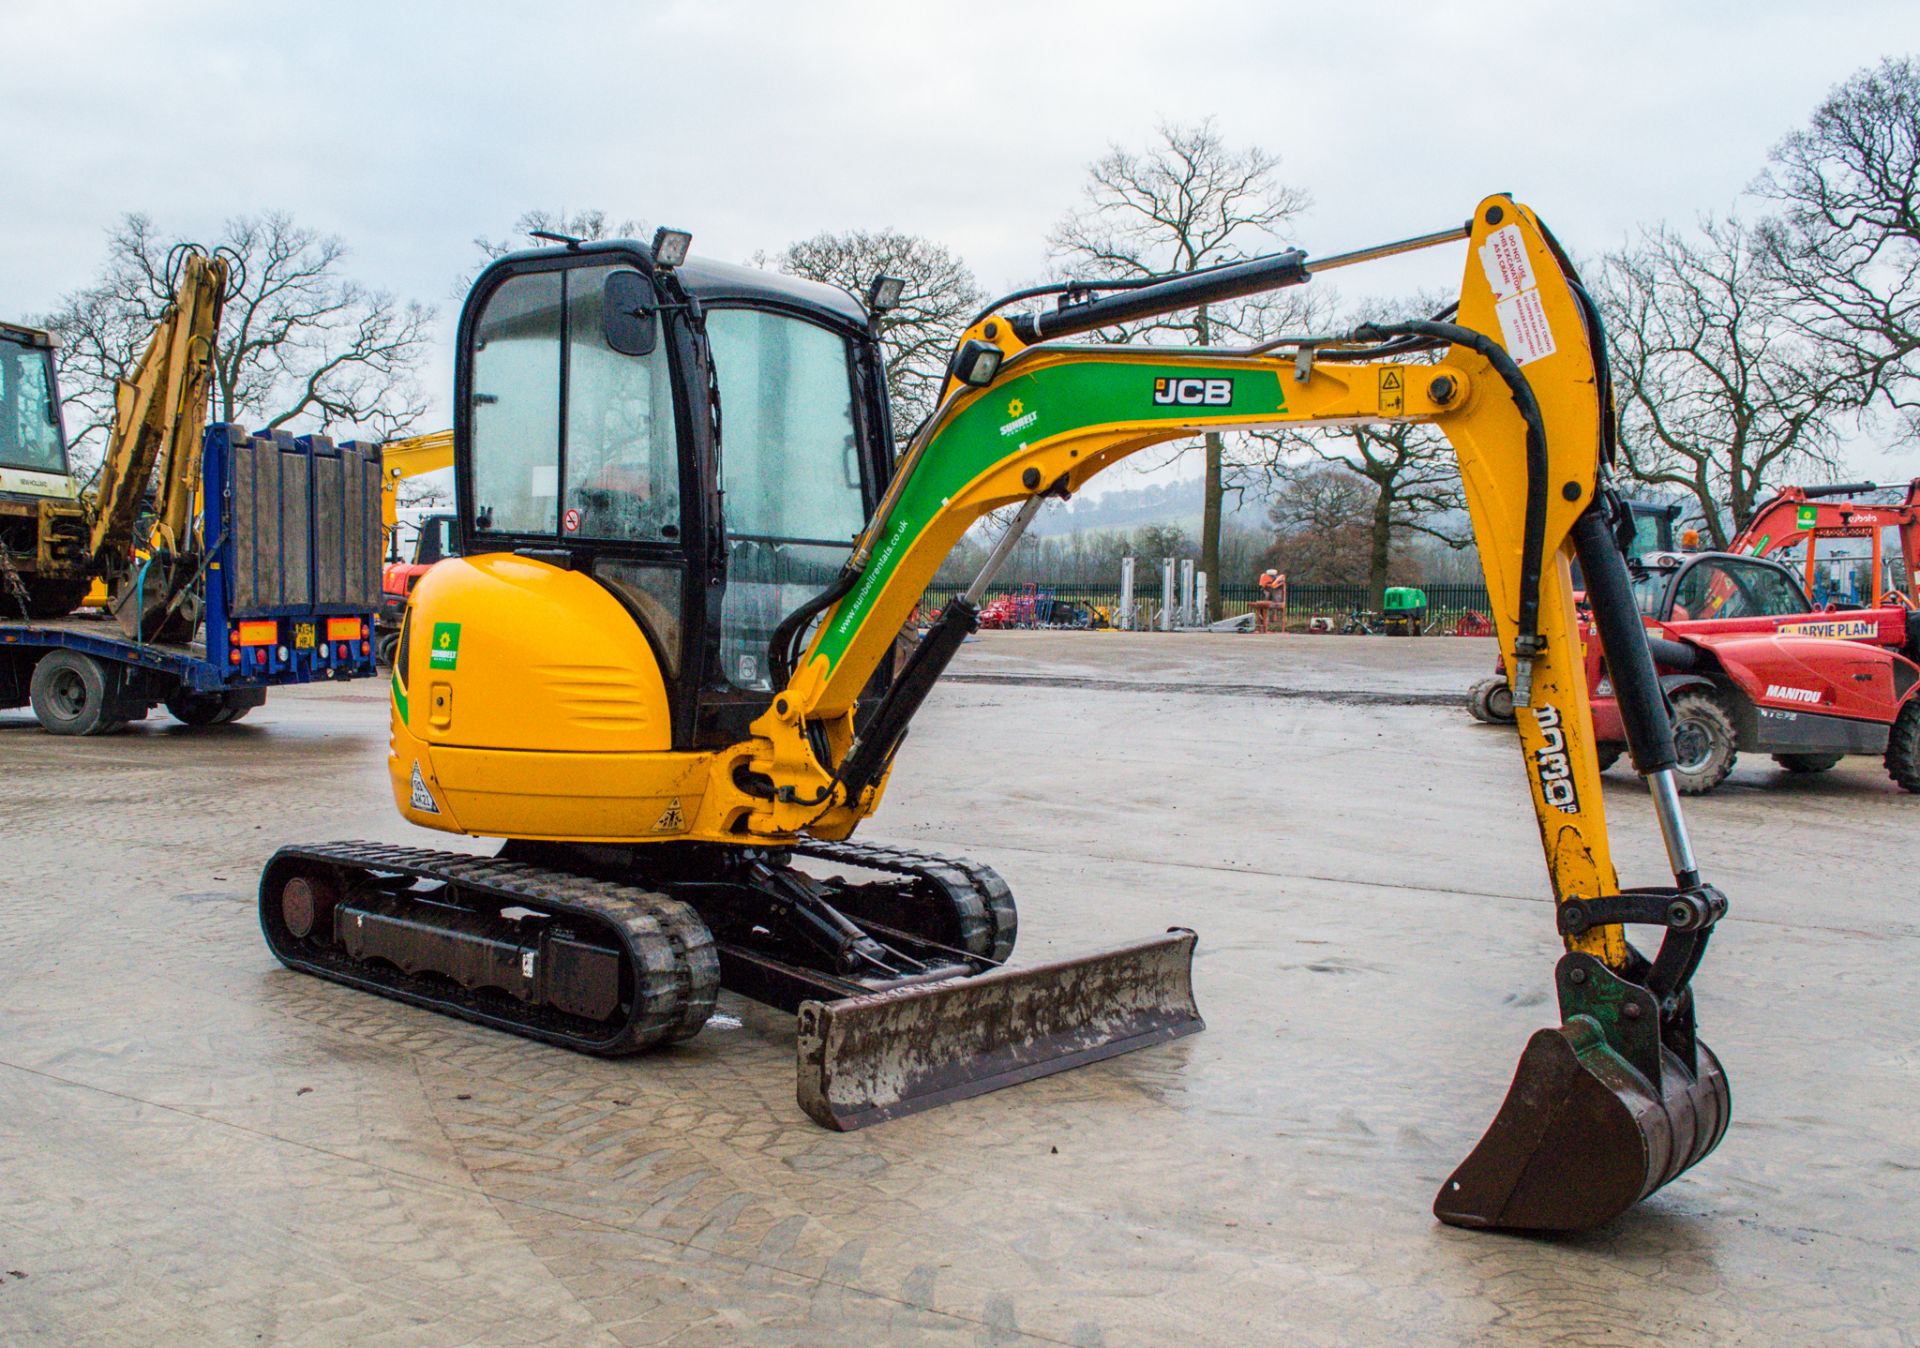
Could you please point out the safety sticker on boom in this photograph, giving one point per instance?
(1550, 762)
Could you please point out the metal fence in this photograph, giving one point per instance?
(1445, 603)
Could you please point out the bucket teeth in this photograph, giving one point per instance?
(1582, 1135)
(869, 1058)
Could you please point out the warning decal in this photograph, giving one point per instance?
(1523, 327)
(422, 799)
(1504, 258)
(671, 820)
(1393, 392)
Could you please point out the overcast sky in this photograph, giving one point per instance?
(408, 127)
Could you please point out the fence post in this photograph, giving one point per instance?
(1200, 599)
(1166, 594)
(1123, 611)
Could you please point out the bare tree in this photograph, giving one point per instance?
(1412, 469)
(941, 294)
(298, 341)
(1188, 202)
(1321, 517)
(1718, 394)
(1848, 244)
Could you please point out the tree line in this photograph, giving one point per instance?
(1746, 347)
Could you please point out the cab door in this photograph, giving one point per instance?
(575, 452)
(798, 475)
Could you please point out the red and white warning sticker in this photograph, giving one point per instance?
(1504, 258)
(1523, 327)
(571, 521)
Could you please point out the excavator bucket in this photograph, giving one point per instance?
(866, 1059)
(1584, 1134)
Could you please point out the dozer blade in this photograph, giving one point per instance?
(866, 1059)
(1582, 1135)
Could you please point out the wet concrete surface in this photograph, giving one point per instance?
(199, 1146)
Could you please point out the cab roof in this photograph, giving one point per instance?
(28, 336)
(720, 281)
(717, 282)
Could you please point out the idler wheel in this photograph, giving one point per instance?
(306, 905)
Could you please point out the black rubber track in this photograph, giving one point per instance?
(673, 969)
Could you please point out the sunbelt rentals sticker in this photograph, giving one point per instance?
(446, 646)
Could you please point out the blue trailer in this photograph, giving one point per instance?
(290, 528)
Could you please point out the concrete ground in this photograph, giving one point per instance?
(199, 1146)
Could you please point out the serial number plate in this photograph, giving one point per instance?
(303, 636)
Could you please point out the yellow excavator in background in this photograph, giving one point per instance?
(144, 507)
(660, 671)
(434, 538)
(134, 531)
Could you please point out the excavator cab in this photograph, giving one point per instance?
(706, 443)
(42, 527)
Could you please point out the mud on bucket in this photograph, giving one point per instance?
(1603, 1111)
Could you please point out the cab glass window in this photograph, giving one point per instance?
(790, 471)
(516, 407)
(29, 422)
(1730, 588)
(578, 447)
(623, 460)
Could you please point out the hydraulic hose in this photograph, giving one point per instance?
(1533, 539)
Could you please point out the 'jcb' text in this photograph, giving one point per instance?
(1193, 392)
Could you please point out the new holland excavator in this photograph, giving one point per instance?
(660, 671)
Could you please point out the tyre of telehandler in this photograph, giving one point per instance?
(72, 694)
(1704, 742)
(1903, 747)
(1500, 703)
(1803, 763)
(1608, 753)
(1490, 700)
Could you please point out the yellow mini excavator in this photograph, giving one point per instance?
(662, 672)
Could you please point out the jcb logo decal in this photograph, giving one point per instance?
(1193, 392)
(1550, 763)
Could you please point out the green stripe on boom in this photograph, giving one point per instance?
(1023, 411)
